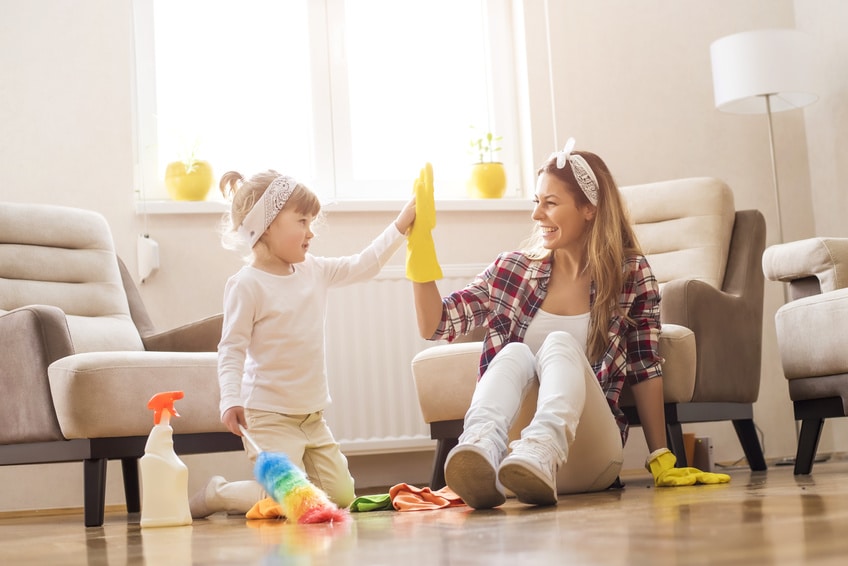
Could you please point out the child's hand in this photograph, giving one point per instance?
(406, 217)
(233, 417)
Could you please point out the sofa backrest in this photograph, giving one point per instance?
(684, 227)
(65, 257)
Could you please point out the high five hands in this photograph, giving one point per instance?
(422, 265)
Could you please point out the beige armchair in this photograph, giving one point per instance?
(81, 359)
(706, 256)
(811, 330)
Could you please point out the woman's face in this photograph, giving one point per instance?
(562, 221)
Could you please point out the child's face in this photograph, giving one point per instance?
(288, 236)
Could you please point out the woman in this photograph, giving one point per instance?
(576, 311)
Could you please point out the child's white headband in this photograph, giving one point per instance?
(582, 172)
(265, 210)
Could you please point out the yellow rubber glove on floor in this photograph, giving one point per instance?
(661, 465)
(422, 265)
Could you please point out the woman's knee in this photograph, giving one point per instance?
(562, 339)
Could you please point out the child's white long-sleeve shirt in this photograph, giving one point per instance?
(271, 355)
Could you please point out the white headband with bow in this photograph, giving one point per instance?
(265, 210)
(582, 172)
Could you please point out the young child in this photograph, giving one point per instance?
(271, 366)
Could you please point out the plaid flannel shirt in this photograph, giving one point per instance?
(507, 295)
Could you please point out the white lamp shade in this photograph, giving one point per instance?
(748, 66)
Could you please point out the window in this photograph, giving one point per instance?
(349, 96)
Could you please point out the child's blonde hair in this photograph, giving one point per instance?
(245, 193)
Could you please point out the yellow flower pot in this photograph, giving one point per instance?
(488, 180)
(188, 183)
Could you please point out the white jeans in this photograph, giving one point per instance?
(571, 409)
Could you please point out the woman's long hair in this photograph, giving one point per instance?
(610, 240)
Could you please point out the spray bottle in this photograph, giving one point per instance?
(164, 477)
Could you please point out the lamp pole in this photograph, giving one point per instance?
(774, 169)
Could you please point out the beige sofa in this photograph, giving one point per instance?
(706, 256)
(80, 358)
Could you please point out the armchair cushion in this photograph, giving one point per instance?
(684, 227)
(105, 394)
(808, 346)
(52, 256)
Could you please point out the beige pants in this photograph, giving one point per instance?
(308, 443)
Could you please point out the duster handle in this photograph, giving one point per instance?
(250, 439)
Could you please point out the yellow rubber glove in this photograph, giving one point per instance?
(422, 265)
(661, 465)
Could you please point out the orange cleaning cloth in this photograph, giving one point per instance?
(266, 509)
(407, 497)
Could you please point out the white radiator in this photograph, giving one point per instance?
(372, 336)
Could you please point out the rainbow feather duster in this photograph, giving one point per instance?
(300, 499)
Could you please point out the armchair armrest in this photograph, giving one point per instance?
(825, 259)
(445, 377)
(199, 336)
(31, 338)
(727, 328)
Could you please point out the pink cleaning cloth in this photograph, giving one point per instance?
(407, 497)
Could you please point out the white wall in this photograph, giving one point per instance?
(633, 83)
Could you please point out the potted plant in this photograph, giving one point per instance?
(488, 177)
(189, 178)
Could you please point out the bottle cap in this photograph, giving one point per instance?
(162, 405)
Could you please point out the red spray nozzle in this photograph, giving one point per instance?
(164, 402)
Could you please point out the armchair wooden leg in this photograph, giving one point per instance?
(808, 443)
(443, 447)
(129, 467)
(94, 490)
(747, 434)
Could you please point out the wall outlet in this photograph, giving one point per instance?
(148, 256)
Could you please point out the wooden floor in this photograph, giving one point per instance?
(768, 517)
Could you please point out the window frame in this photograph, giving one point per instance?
(331, 135)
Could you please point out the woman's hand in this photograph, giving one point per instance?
(233, 417)
(422, 265)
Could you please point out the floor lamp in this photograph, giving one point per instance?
(764, 71)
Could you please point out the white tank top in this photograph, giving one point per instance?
(544, 323)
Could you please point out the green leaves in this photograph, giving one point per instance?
(484, 147)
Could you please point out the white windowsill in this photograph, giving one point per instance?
(446, 205)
